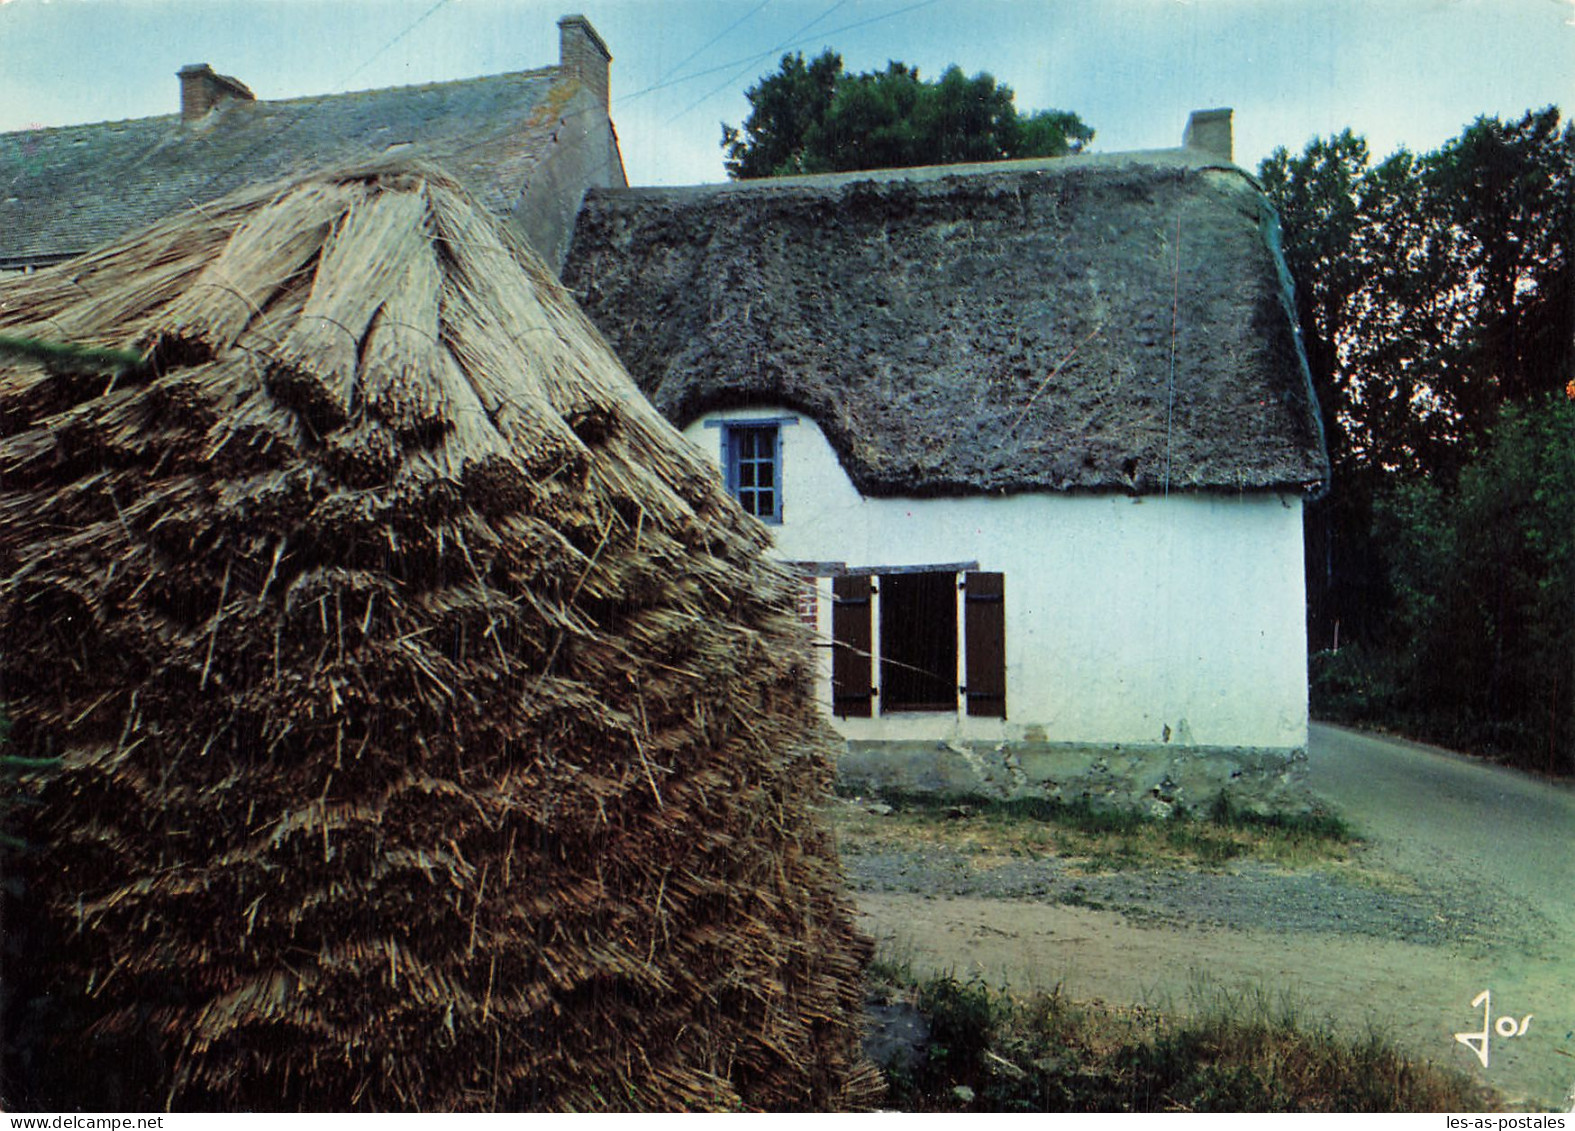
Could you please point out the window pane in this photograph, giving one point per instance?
(752, 458)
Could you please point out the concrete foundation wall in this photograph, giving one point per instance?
(1154, 779)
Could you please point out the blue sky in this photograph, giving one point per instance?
(1410, 72)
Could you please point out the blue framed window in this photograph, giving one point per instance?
(752, 464)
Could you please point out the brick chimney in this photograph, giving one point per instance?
(1209, 131)
(201, 90)
(582, 53)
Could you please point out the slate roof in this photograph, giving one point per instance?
(1100, 322)
(68, 189)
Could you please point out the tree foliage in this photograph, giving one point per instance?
(1436, 294)
(1431, 289)
(1482, 636)
(816, 118)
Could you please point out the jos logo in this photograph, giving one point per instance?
(1507, 1027)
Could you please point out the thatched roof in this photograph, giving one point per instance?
(1081, 323)
(433, 732)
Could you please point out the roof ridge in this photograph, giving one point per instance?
(34, 130)
(1174, 157)
(534, 72)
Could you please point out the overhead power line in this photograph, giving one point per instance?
(712, 42)
(788, 42)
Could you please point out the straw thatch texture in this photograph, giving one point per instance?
(434, 732)
(1088, 323)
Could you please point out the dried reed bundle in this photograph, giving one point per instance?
(433, 733)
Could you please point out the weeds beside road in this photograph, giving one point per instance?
(1095, 839)
(989, 904)
(1245, 1052)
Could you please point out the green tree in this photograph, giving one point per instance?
(1483, 573)
(1318, 194)
(813, 118)
(1051, 133)
(872, 117)
(1437, 307)
(786, 109)
(1431, 290)
(962, 119)
(1505, 196)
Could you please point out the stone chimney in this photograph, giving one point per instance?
(582, 53)
(1209, 131)
(201, 90)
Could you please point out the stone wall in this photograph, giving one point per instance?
(583, 153)
(1154, 779)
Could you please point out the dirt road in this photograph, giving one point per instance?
(1483, 858)
(1429, 812)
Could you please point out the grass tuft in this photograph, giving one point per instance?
(1098, 838)
(1245, 1051)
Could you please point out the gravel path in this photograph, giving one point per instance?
(1466, 914)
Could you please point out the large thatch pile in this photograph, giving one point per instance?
(432, 731)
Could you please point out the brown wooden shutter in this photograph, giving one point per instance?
(851, 642)
(984, 643)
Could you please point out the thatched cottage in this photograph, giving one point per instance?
(526, 145)
(413, 722)
(1037, 434)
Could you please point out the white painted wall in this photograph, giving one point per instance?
(1125, 615)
